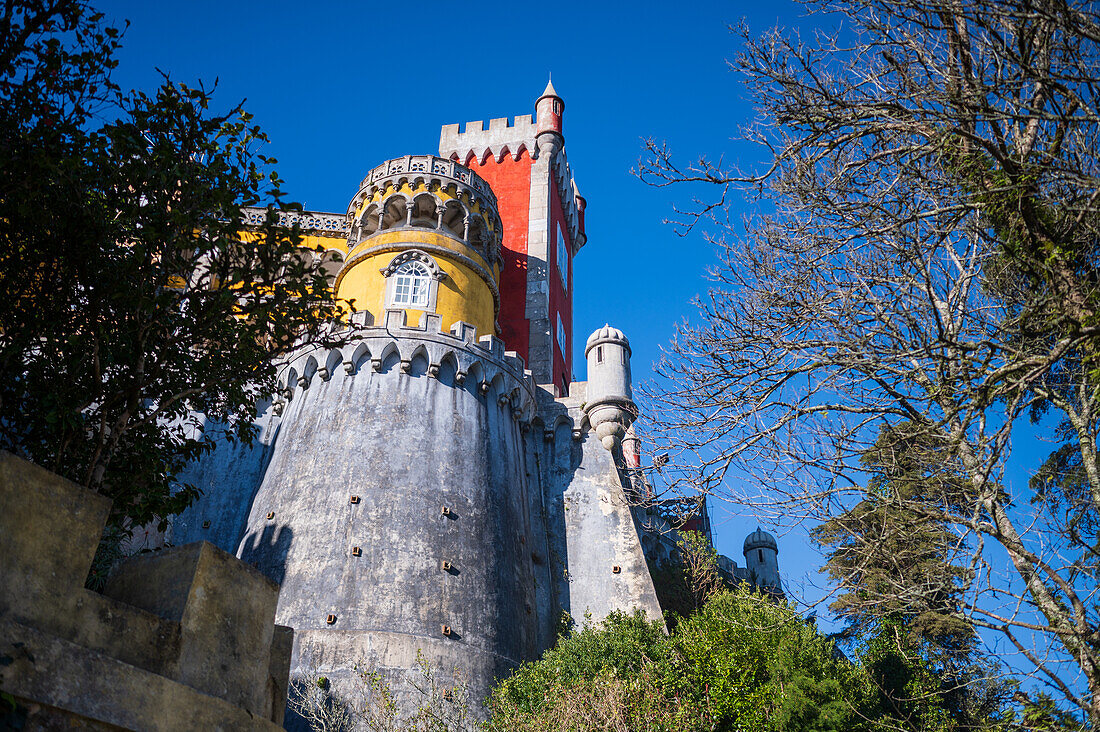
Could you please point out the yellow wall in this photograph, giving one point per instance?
(462, 295)
(315, 243)
(325, 243)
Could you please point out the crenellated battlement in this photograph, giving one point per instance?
(459, 357)
(500, 139)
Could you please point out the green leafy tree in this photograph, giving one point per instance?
(761, 666)
(129, 302)
(892, 555)
(900, 589)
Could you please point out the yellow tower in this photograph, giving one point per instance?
(425, 237)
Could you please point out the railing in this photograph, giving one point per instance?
(432, 165)
(310, 222)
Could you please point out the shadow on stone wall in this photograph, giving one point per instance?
(267, 551)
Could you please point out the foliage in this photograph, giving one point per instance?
(900, 590)
(129, 302)
(924, 276)
(764, 667)
(742, 662)
(684, 584)
(893, 556)
(313, 701)
(1043, 715)
(918, 685)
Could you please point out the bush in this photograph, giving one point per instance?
(744, 662)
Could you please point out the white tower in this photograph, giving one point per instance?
(762, 560)
(609, 403)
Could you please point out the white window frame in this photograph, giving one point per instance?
(563, 256)
(400, 268)
(411, 283)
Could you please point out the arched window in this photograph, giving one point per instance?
(412, 280)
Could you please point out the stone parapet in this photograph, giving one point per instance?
(316, 223)
(481, 360)
(427, 170)
(182, 639)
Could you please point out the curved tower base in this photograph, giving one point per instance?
(394, 509)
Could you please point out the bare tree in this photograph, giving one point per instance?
(928, 258)
(312, 700)
(422, 700)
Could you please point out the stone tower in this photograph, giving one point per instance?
(395, 500)
(421, 490)
(425, 237)
(525, 164)
(609, 404)
(762, 560)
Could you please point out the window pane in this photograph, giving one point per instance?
(411, 283)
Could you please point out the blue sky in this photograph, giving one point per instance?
(341, 87)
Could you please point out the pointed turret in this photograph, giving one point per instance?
(549, 91)
(549, 109)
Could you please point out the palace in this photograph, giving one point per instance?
(442, 486)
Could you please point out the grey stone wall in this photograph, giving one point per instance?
(228, 478)
(597, 563)
(368, 446)
(423, 429)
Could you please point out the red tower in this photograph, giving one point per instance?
(543, 218)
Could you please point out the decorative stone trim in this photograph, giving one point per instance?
(435, 274)
(311, 223)
(429, 171)
(414, 255)
(499, 372)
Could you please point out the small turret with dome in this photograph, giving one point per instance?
(610, 402)
(762, 560)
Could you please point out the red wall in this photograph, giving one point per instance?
(511, 182)
(560, 300)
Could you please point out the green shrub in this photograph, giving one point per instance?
(743, 662)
